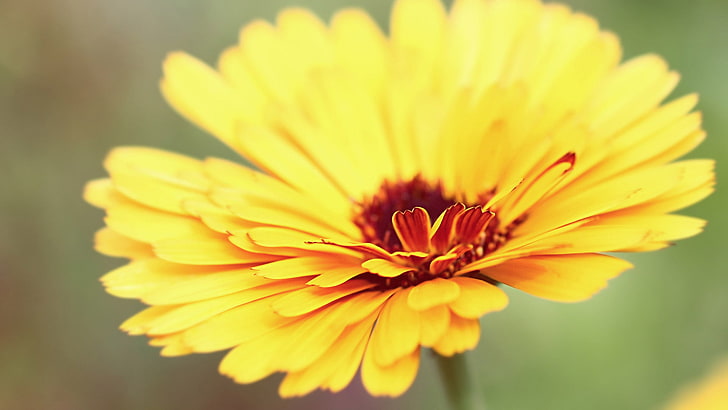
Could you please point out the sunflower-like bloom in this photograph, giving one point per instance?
(398, 181)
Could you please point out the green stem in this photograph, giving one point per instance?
(462, 390)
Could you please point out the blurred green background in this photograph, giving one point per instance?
(78, 77)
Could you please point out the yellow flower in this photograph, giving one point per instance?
(400, 180)
(711, 393)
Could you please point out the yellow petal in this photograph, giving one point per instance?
(264, 52)
(564, 278)
(201, 95)
(274, 237)
(212, 249)
(698, 180)
(190, 314)
(246, 186)
(173, 345)
(111, 243)
(333, 370)
(100, 192)
(531, 191)
(139, 323)
(359, 306)
(149, 225)
(214, 217)
(385, 268)
(661, 228)
(591, 239)
(462, 334)
(621, 192)
(307, 340)
(156, 178)
(477, 298)
(237, 73)
(255, 359)
(270, 215)
(360, 46)
(392, 380)
(433, 324)
(305, 266)
(141, 276)
(417, 28)
(336, 276)
(432, 293)
(397, 331)
(311, 298)
(239, 324)
(634, 88)
(204, 286)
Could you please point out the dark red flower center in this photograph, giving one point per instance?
(397, 219)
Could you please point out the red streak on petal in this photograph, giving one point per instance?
(472, 223)
(443, 235)
(413, 229)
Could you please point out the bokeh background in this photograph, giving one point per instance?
(78, 77)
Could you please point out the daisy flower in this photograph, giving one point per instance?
(400, 181)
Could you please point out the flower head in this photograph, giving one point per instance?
(400, 180)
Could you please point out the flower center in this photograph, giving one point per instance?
(397, 219)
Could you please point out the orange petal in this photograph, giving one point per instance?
(471, 223)
(413, 229)
(443, 229)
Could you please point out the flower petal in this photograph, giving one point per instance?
(391, 380)
(305, 266)
(397, 331)
(433, 324)
(385, 268)
(311, 298)
(477, 298)
(462, 334)
(564, 278)
(433, 293)
(336, 368)
(111, 243)
(211, 249)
